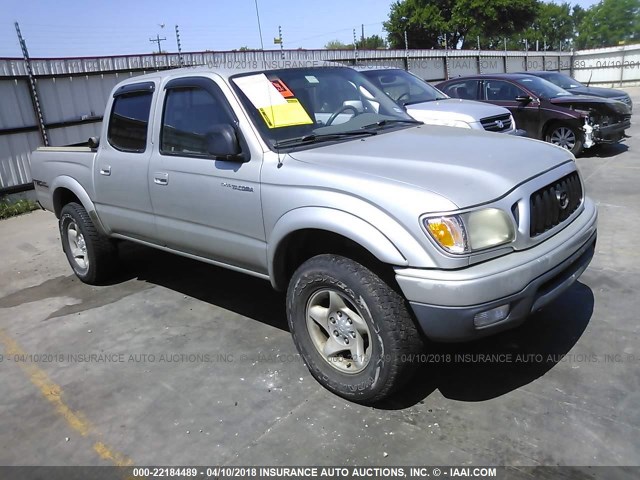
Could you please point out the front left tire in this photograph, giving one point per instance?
(353, 331)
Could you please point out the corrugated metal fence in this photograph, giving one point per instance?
(74, 91)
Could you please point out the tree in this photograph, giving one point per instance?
(610, 23)
(373, 42)
(338, 45)
(552, 25)
(428, 22)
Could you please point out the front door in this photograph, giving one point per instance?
(205, 205)
(526, 113)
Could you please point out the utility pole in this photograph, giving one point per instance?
(180, 59)
(362, 36)
(158, 40)
(355, 47)
(32, 87)
(281, 42)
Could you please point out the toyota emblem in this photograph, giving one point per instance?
(562, 197)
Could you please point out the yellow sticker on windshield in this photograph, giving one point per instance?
(285, 114)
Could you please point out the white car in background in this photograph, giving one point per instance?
(429, 105)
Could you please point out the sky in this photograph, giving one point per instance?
(66, 28)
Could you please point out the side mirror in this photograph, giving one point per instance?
(222, 143)
(524, 99)
(93, 142)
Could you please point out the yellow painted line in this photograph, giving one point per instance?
(53, 393)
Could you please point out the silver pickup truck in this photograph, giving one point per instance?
(382, 231)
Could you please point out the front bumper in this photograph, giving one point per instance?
(612, 133)
(446, 302)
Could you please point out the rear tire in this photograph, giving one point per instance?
(90, 254)
(565, 136)
(353, 331)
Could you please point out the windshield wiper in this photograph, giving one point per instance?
(424, 101)
(393, 121)
(313, 137)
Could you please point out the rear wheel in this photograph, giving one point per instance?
(353, 331)
(90, 254)
(565, 136)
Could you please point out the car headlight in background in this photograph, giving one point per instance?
(467, 232)
(448, 123)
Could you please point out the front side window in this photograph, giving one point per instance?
(467, 89)
(191, 116)
(129, 121)
(501, 91)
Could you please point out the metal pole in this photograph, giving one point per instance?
(33, 88)
(180, 59)
(281, 43)
(259, 26)
(355, 47)
(406, 44)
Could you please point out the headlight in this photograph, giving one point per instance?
(471, 231)
(448, 123)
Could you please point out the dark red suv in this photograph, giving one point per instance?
(546, 111)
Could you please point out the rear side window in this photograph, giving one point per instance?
(129, 121)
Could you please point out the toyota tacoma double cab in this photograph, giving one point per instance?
(383, 231)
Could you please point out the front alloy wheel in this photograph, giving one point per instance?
(352, 329)
(566, 137)
(338, 331)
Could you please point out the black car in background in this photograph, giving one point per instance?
(573, 86)
(546, 111)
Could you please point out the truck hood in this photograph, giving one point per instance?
(467, 167)
(455, 109)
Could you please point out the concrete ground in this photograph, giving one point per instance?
(198, 367)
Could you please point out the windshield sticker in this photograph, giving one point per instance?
(282, 88)
(260, 91)
(276, 110)
(311, 79)
(285, 115)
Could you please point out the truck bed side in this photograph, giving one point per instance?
(47, 165)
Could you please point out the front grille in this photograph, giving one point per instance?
(626, 100)
(547, 203)
(499, 123)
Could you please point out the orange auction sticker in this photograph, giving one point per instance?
(282, 88)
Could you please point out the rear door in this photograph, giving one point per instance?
(121, 166)
(205, 205)
(504, 94)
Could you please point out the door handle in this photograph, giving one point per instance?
(161, 178)
(106, 170)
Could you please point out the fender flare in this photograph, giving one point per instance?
(71, 184)
(334, 221)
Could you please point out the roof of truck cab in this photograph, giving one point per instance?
(226, 73)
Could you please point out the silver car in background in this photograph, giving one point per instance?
(426, 103)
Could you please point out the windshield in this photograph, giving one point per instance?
(563, 81)
(404, 87)
(542, 88)
(294, 106)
